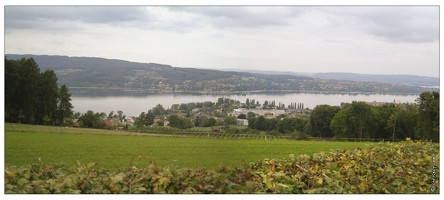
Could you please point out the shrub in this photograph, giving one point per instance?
(413, 167)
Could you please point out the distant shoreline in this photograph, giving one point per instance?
(126, 91)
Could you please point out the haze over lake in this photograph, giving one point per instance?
(134, 105)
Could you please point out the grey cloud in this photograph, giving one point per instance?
(244, 16)
(393, 23)
(42, 16)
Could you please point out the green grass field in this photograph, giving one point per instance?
(24, 144)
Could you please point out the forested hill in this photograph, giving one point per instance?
(116, 71)
(89, 72)
(400, 79)
(381, 78)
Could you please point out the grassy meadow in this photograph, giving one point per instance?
(25, 144)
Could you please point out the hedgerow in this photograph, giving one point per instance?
(403, 168)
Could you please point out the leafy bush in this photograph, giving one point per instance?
(296, 135)
(405, 167)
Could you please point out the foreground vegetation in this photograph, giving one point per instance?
(112, 149)
(413, 167)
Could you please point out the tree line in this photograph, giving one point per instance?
(33, 97)
(360, 120)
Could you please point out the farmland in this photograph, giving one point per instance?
(25, 144)
(41, 159)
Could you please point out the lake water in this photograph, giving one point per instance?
(134, 105)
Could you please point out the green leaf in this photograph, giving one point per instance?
(117, 178)
(22, 181)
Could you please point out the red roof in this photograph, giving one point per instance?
(107, 122)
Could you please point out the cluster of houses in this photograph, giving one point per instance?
(114, 122)
(269, 113)
(119, 124)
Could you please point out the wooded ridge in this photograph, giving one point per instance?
(90, 72)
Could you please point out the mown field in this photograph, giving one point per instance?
(25, 144)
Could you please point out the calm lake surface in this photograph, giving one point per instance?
(133, 105)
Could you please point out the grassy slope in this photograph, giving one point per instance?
(24, 144)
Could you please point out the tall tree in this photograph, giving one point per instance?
(378, 121)
(320, 120)
(393, 121)
(47, 98)
(230, 120)
(428, 122)
(28, 88)
(362, 112)
(407, 122)
(12, 83)
(64, 104)
(211, 121)
(174, 121)
(338, 124)
(120, 114)
(159, 110)
(145, 119)
(260, 123)
(91, 120)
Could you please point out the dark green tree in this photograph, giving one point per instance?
(352, 121)
(12, 83)
(361, 112)
(159, 110)
(211, 121)
(378, 121)
(185, 123)
(288, 125)
(196, 122)
(407, 120)
(174, 121)
(428, 122)
(251, 114)
(320, 120)
(91, 120)
(47, 98)
(182, 123)
(202, 121)
(120, 114)
(338, 124)
(111, 115)
(145, 119)
(27, 90)
(230, 120)
(64, 105)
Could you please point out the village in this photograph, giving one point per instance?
(224, 112)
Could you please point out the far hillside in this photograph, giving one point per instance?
(397, 79)
(413, 80)
(83, 73)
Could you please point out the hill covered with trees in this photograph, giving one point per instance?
(88, 72)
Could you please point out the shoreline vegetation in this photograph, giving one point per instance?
(102, 91)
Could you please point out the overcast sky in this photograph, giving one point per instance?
(358, 39)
